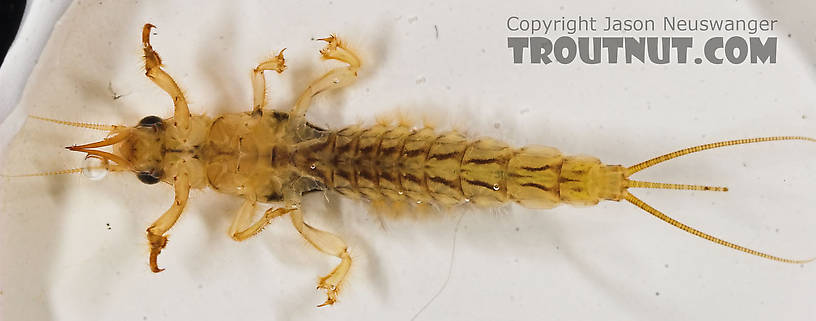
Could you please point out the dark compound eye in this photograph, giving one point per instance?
(150, 178)
(151, 122)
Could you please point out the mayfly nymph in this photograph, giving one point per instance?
(268, 156)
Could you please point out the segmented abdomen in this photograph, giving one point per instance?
(403, 165)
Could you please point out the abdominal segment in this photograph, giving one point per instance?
(398, 164)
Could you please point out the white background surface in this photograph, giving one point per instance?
(35, 29)
(60, 261)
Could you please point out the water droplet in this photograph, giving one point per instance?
(419, 202)
(94, 168)
(400, 192)
(467, 200)
(495, 187)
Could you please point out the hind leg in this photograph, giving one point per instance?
(323, 241)
(277, 64)
(335, 78)
(330, 244)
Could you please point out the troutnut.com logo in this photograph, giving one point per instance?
(731, 41)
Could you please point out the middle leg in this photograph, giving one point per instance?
(276, 63)
(335, 78)
(240, 229)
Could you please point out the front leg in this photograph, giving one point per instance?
(156, 231)
(335, 78)
(162, 79)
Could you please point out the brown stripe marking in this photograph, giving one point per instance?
(480, 161)
(342, 149)
(437, 179)
(536, 169)
(367, 149)
(273, 156)
(514, 175)
(461, 164)
(378, 145)
(387, 176)
(414, 153)
(365, 174)
(480, 183)
(389, 151)
(538, 186)
(399, 155)
(412, 178)
(443, 156)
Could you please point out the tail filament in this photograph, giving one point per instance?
(663, 217)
